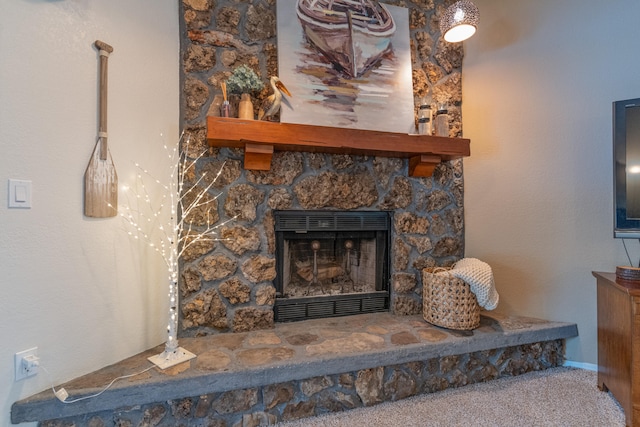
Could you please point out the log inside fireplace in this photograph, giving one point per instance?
(331, 263)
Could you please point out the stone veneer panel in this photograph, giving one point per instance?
(293, 400)
(226, 286)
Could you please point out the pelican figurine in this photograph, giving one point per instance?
(271, 105)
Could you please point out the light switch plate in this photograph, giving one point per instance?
(19, 193)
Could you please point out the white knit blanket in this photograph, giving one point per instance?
(479, 276)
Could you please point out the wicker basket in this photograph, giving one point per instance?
(448, 301)
(628, 273)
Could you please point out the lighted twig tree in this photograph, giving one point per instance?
(167, 226)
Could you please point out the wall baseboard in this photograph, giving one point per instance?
(581, 365)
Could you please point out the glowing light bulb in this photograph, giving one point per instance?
(634, 169)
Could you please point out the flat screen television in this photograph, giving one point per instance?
(626, 168)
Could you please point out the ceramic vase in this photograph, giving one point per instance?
(245, 108)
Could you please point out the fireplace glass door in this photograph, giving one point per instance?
(331, 263)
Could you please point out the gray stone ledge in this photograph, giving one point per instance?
(196, 378)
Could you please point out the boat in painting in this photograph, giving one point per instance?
(352, 34)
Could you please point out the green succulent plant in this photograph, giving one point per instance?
(244, 80)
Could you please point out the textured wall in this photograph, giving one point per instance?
(539, 80)
(227, 287)
(77, 288)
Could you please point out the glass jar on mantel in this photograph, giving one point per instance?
(425, 117)
(442, 119)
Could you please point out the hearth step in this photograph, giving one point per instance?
(304, 369)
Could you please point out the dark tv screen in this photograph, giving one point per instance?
(626, 158)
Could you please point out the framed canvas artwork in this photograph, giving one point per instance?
(347, 63)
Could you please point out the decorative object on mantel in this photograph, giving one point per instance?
(225, 108)
(425, 116)
(628, 273)
(271, 105)
(181, 201)
(442, 119)
(244, 81)
(245, 107)
(348, 62)
(459, 21)
(100, 177)
(259, 139)
(216, 106)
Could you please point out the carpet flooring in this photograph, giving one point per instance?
(554, 397)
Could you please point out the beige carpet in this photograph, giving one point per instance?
(555, 397)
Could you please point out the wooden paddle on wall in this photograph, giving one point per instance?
(100, 178)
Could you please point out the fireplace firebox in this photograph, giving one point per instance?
(331, 263)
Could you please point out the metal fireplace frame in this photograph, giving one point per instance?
(323, 224)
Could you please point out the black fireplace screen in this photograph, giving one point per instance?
(331, 263)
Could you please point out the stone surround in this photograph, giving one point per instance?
(230, 287)
(303, 369)
(227, 286)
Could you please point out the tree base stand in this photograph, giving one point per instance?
(167, 359)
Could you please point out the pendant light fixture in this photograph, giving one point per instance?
(459, 21)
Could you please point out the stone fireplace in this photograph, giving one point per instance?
(231, 285)
(330, 263)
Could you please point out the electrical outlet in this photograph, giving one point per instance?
(26, 363)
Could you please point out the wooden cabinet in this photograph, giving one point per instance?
(619, 342)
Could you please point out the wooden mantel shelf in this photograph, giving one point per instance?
(259, 140)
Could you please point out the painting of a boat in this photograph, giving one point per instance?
(347, 64)
(352, 34)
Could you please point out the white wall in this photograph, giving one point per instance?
(539, 80)
(77, 288)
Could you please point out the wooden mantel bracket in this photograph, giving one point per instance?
(260, 139)
(257, 156)
(423, 164)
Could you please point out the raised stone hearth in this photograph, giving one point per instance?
(302, 369)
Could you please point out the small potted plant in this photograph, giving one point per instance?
(244, 81)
